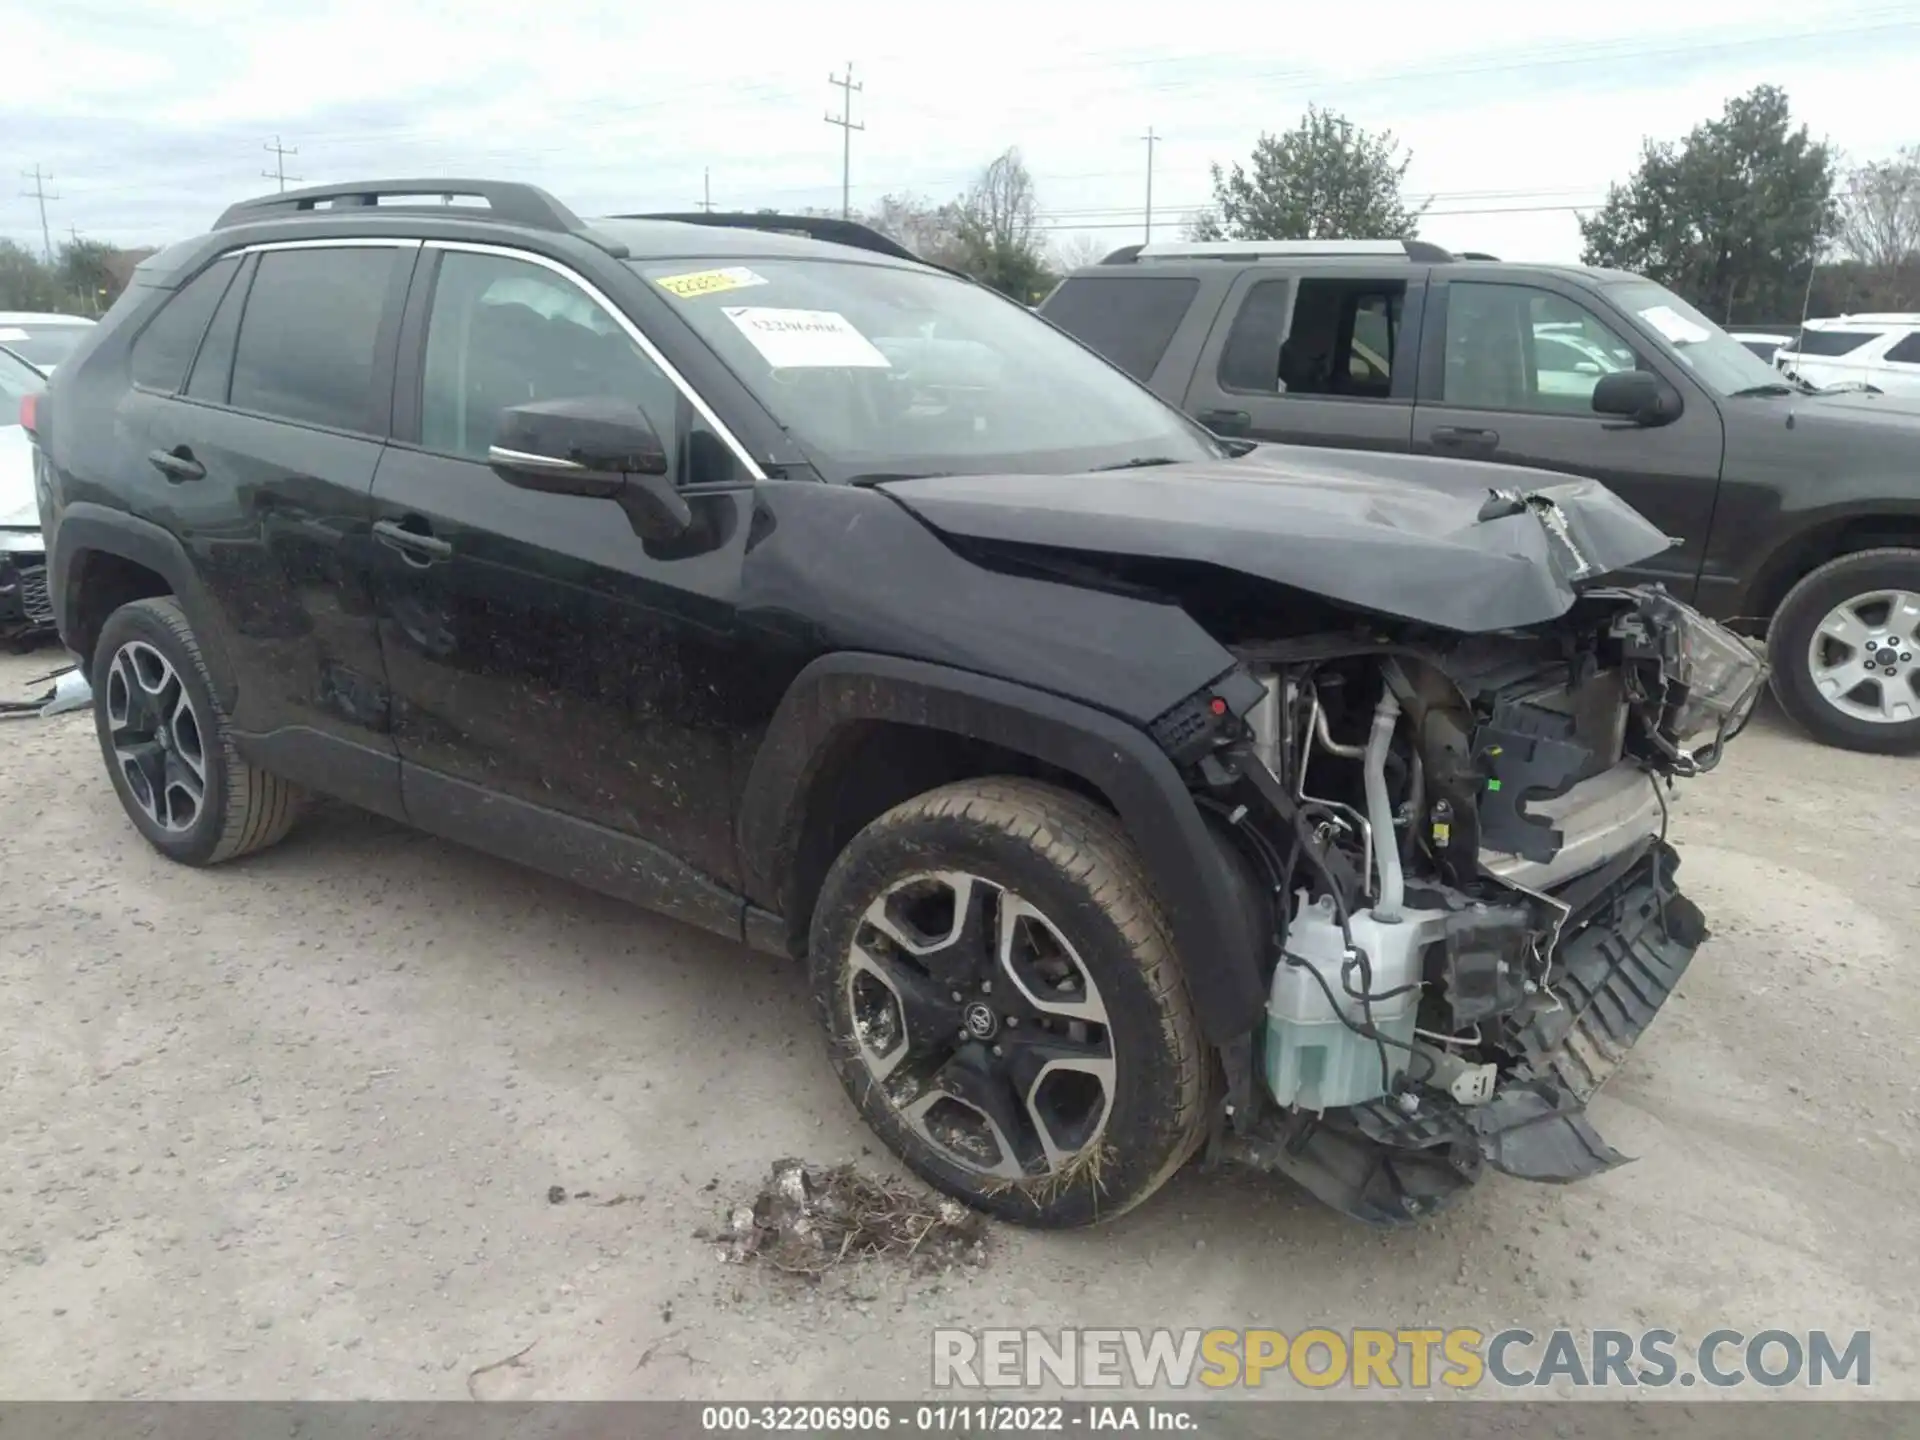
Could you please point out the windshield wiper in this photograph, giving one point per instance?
(1138, 463)
(881, 477)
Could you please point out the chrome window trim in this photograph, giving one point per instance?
(366, 242)
(633, 333)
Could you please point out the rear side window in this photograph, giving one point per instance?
(309, 333)
(214, 364)
(1907, 352)
(1251, 359)
(1831, 342)
(165, 348)
(1128, 319)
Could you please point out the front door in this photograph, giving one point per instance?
(1508, 374)
(557, 680)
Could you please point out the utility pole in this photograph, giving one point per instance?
(706, 189)
(279, 153)
(845, 121)
(39, 192)
(1152, 140)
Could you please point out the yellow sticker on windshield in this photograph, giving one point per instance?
(709, 282)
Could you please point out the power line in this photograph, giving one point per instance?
(39, 192)
(845, 121)
(279, 153)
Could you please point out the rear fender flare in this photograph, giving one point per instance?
(86, 529)
(1190, 874)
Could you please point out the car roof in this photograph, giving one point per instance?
(649, 239)
(42, 317)
(1865, 322)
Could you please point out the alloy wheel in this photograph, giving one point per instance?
(157, 738)
(1865, 657)
(980, 1024)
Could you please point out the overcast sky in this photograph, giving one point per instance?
(1517, 114)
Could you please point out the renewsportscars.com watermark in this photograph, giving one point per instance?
(1400, 1359)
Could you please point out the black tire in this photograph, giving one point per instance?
(1790, 640)
(241, 808)
(1071, 861)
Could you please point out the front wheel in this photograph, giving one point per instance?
(1845, 647)
(1002, 1002)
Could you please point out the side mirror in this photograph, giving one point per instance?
(1638, 395)
(600, 448)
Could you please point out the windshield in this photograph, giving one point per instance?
(878, 370)
(17, 381)
(1723, 364)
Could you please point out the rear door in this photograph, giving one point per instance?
(263, 465)
(1507, 373)
(1314, 356)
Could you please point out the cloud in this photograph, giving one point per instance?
(151, 118)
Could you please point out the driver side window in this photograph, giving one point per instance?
(1514, 347)
(501, 332)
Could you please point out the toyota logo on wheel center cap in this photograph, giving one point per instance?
(980, 1021)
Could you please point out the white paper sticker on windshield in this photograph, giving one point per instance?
(1676, 327)
(805, 339)
(9, 335)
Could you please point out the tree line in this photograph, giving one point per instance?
(84, 277)
(1747, 216)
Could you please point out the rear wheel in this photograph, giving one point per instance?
(167, 747)
(1845, 647)
(1003, 1004)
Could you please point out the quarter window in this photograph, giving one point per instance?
(309, 335)
(1907, 352)
(165, 348)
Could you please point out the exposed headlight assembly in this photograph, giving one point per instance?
(1696, 681)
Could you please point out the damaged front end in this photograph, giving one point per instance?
(1459, 842)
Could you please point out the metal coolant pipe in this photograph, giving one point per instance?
(1386, 850)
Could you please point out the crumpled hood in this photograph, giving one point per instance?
(18, 508)
(1396, 534)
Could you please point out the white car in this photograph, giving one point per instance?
(1882, 351)
(1765, 344)
(24, 607)
(41, 339)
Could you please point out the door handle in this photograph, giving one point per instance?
(177, 464)
(415, 546)
(1464, 437)
(1226, 422)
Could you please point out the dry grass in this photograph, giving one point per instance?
(807, 1221)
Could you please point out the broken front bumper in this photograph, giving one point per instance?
(25, 605)
(1628, 940)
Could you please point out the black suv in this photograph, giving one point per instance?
(1127, 791)
(1796, 513)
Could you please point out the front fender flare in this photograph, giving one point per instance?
(1184, 860)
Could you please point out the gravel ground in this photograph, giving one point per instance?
(289, 1128)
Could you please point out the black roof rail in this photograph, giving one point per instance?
(1424, 251)
(814, 227)
(507, 200)
(1476, 255)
